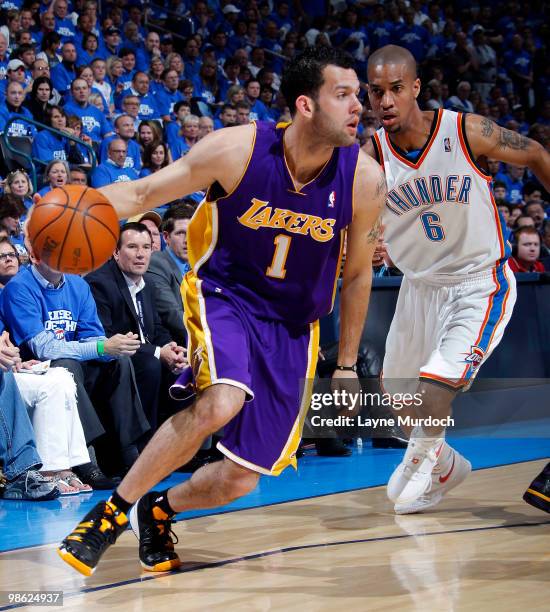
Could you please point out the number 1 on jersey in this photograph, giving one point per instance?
(277, 267)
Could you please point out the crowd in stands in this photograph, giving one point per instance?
(139, 84)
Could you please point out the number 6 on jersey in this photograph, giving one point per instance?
(432, 229)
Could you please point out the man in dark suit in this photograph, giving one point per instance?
(168, 267)
(126, 302)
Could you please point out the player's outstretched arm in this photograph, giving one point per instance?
(369, 197)
(487, 138)
(221, 156)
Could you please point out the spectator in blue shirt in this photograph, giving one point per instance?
(63, 25)
(413, 37)
(148, 108)
(65, 72)
(227, 118)
(94, 123)
(57, 174)
(155, 157)
(460, 102)
(191, 58)
(519, 64)
(84, 25)
(15, 72)
(168, 95)
(219, 42)
(513, 179)
(189, 137)
(113, 170)
(380, 30)
(128, 58)
(124, 128)
(206, 82)
(258, 111)
(232, 70)
(111, 41)
(89, 51)
(46, 145)
(4, 56)
(146, 54)
(14, 108)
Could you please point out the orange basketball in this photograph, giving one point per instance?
(73, 229)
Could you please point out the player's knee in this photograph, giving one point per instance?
(215, 409)
(238, 483)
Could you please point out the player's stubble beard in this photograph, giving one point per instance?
(327, 131)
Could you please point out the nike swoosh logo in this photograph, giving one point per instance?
(443, 479)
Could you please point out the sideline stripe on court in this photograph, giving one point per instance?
(284, 501)
(288, 549)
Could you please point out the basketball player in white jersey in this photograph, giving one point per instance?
(443, 231)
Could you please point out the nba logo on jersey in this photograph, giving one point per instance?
(332, 199)
(447, 145)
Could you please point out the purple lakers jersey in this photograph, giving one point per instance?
(270, 245)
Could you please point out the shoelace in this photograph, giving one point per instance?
(160, 533)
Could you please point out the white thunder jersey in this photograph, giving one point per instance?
(440, 217)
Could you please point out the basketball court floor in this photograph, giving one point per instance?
(324, 538)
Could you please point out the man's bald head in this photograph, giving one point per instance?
(392, 54)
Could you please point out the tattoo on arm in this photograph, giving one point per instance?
(381, 188)
(487, 127)
(374, 233)
(512, 140)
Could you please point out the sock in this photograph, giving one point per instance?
(161, 500)
(120, 503)
(444, 460)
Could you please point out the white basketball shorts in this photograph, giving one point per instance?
(444, 332)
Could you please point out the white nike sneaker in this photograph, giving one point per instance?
(441, 484)
(413, 476)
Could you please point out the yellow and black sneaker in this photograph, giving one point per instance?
(83, 547)
(152, 527)
(538, 493)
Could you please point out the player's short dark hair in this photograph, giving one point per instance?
(303, 76)
(393, 54)
(181, 210)
(137, 227)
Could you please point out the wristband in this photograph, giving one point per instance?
(352, 368)
(101, 347)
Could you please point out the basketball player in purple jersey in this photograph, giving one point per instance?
(443, 231)
(265, 248)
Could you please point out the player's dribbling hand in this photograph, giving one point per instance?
(347, 384)
(122, 344)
